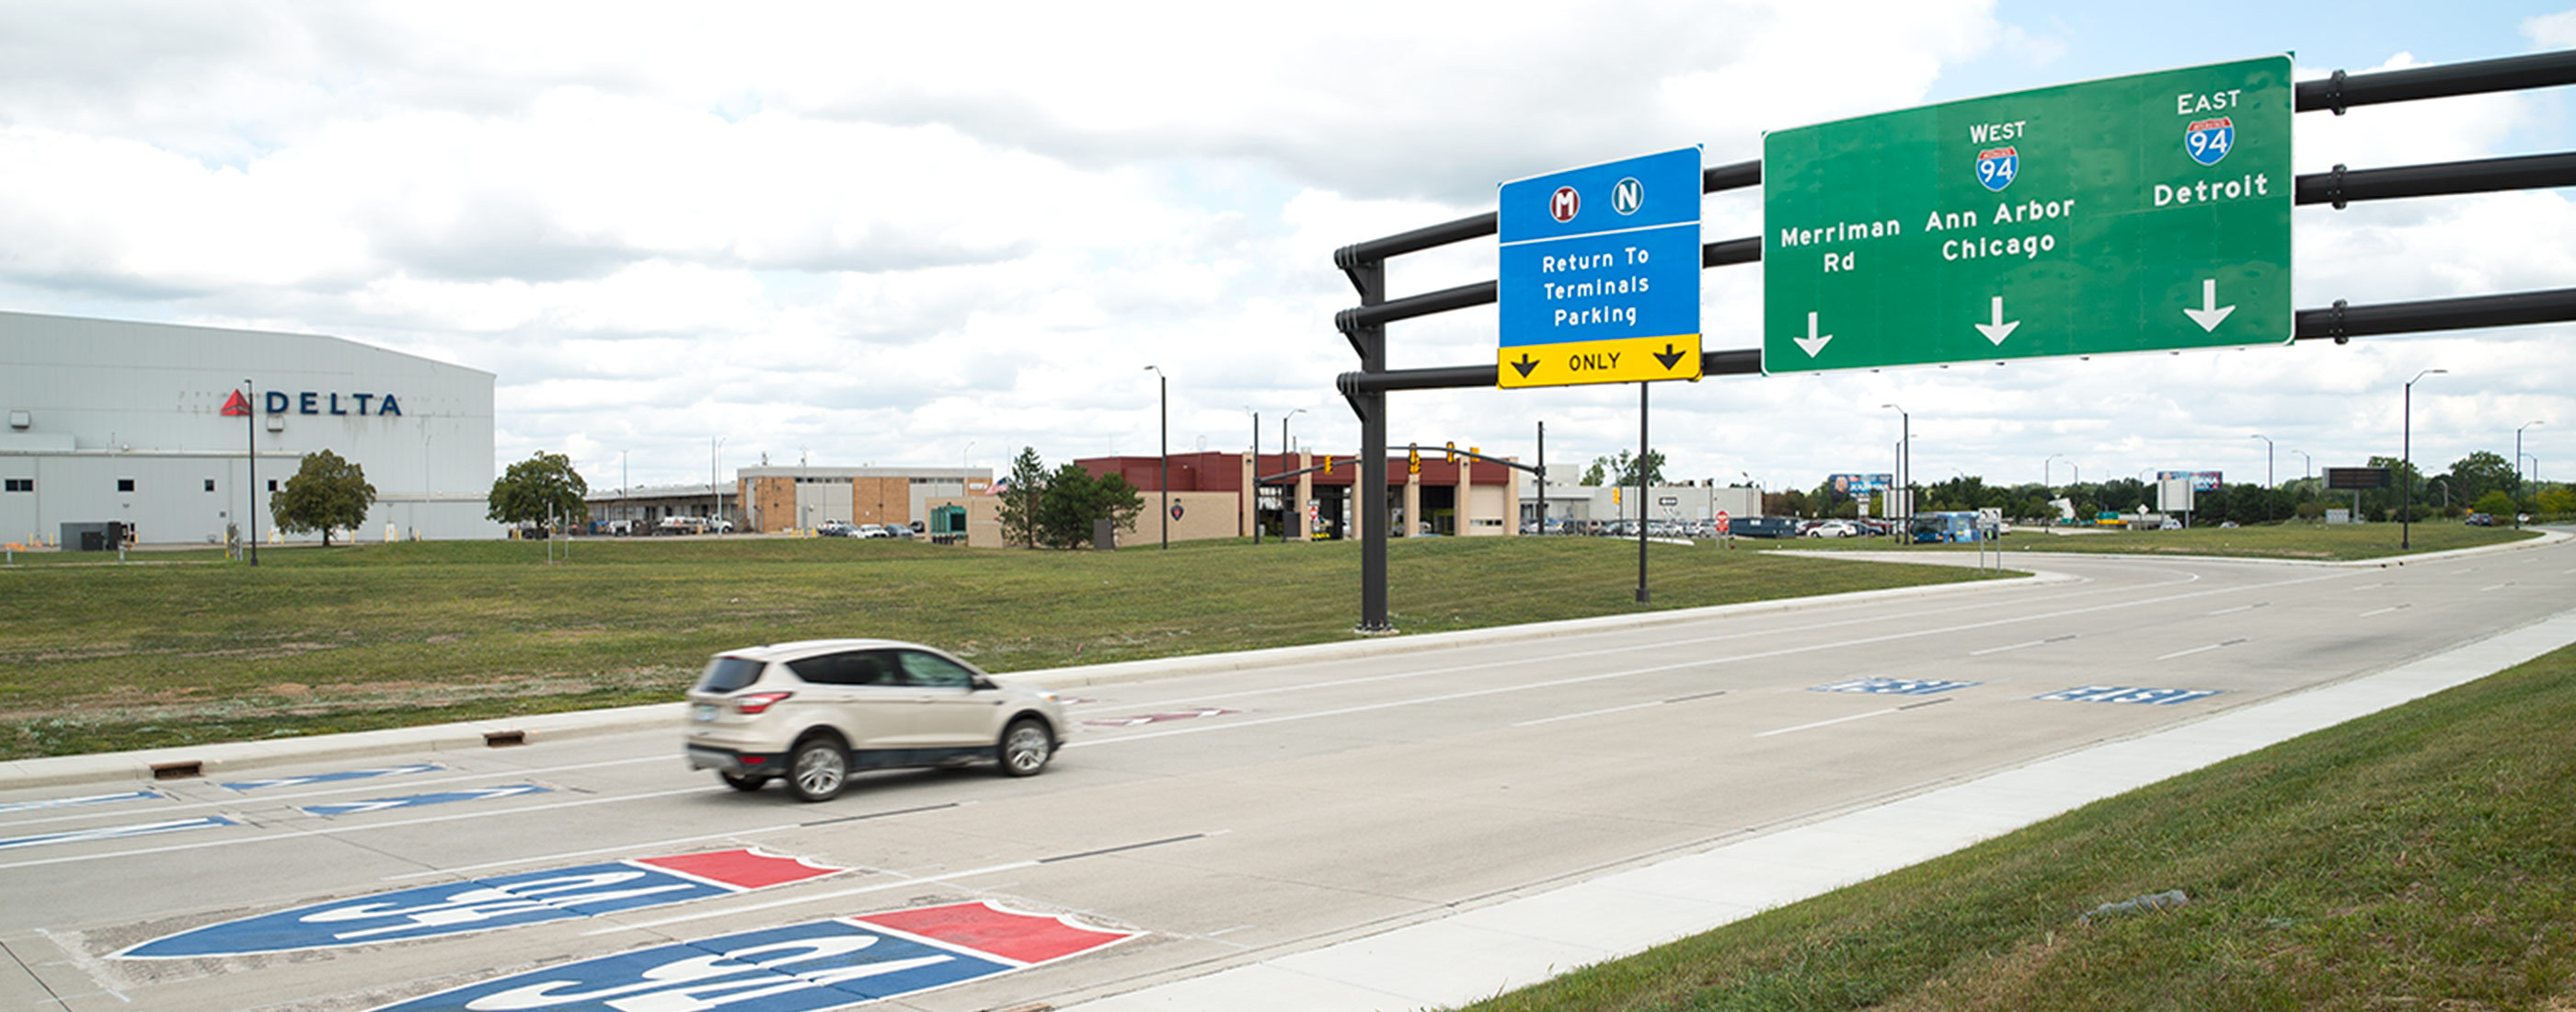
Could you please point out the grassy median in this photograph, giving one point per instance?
(2314, 542)
(2416, 859)
(184, 647)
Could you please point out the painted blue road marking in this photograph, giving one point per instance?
(117, 832)
(503, 901)
(94, 799)
(799, 968)
(810, 967)
(326, 778)
(417, 800)
(2126, 694)
(1894, 686)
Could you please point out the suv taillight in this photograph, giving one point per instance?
(758, 702)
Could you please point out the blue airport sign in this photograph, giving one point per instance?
(1599, 278)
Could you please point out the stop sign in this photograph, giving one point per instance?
(1722, 522)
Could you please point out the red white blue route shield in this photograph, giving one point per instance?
(811, 967)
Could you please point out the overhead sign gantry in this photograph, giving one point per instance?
(2139, 213)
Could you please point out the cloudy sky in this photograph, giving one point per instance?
(927, 234)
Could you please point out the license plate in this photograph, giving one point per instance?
(704, 712)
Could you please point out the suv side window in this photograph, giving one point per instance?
(852, 667)
(725, 674)
(934, 671)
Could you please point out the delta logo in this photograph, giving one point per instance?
(309, 402)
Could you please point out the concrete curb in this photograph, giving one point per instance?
(208, 760)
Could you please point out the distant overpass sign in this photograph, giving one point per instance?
(2138, 213)
(1599, 278)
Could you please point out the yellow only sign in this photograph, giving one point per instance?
(1625, 360)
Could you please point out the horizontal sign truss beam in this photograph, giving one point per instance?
(2338, 187)
(2338, 323)
(2485, 175)
(1711, 180)
(2512, 73)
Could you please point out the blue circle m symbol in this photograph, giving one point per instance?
(1628, 196)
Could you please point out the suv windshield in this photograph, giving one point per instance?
(725, 674)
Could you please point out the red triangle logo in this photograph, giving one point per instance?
(238, 405)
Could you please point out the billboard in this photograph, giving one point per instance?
(1861, 484)
(2201, 481)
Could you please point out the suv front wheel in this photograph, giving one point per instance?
(818, 768)
(1026, 747)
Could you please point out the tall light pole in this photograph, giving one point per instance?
(2406, 451)
(251, 521)
(2517, 455)
(1255, 490)
(715, 467)
(2043, 470)
(1284, 446)
(1904, 457)
(1165, 384)
(2267, 475)
(961, 468)
(2309, 471)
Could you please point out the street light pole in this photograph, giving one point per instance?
(2517, 472)
(1165, 384)
(1255, 490)
(2043, 470)
(1904, 457)
(251, 521)
(2406, 479)
(2267, 474)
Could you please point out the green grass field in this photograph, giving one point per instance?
(184, 647)
(2317, 542)
(2416, 859)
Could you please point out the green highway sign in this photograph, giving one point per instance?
(2138, 213)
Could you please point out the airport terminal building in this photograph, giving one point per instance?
(153, 426)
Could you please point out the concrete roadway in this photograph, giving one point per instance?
(1312, 798)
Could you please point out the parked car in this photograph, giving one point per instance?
(872, 531)
(899, 531)
(681, 525)
(834, 529)
(2479, 520)
(1833, 529)
(811, 713)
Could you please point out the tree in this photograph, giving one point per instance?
(2496, 503)
(2477, 474)
(326, 493)
(1622, 469)
(1074, 499)
(1021, 496)
(540, 490)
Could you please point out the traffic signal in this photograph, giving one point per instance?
(1453, 451)
(1413, 460)
(1328, 463)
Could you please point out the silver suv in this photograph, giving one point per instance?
(813, 712)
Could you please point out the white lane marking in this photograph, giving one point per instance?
(89, 799)
(2499, 586)
(2241, 607)
(1120, 739)
(2367, 586)
(340, 830)
(253, 803)
(2386, 610)
(116, 832)
(1628, 647)
(898, 883)
(1826, 723)
(1588, 713)
(620, 848)
(2017, 646)
(2195, 650)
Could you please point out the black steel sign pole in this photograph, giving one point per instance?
(1644, 475)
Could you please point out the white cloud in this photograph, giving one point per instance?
(879, 233)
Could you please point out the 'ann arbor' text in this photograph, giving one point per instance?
(1603, 283)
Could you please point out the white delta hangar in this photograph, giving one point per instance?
(145, 424)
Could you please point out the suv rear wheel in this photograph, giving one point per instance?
(818, 768)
